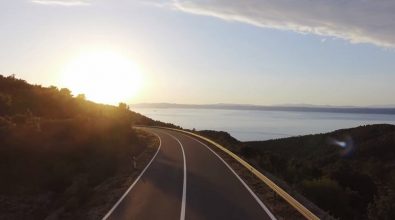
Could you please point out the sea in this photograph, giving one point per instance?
(252, 125)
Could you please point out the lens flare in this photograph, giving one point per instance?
(347, 145)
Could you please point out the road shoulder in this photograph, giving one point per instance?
(106, 194)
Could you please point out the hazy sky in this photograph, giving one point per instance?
(338, 52)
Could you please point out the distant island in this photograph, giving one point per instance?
(387, 109)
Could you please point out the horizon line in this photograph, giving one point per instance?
(302, 105)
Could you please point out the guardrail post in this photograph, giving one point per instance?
(134, 161)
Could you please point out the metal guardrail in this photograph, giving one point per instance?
(288, 198)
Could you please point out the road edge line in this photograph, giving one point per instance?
(135, 181)
(263, 206)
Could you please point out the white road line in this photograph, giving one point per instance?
(184, 187)
(270, 214)
(134, 183)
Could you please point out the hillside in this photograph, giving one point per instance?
(57, 151)
(350, 173)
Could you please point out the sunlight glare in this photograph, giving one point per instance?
(103, 77)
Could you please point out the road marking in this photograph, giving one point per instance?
(184, 187)
(134, 183)
(239, 178)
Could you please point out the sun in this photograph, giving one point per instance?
(104, 77)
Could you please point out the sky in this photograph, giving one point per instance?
(264, 52)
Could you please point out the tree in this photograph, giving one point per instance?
(54, 88)
(81, 97)
(65, 92)
(5, 103)
(383, 206)
(123, 106)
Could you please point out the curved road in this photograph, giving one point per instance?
(187, 180)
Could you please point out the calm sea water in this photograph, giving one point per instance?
(262, 125)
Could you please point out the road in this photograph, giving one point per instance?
(187, 180)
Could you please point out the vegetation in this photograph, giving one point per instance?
(56, 148)
(350, 173)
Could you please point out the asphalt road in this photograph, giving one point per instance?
(186, 180)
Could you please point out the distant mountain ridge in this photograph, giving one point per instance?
(287, 107)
